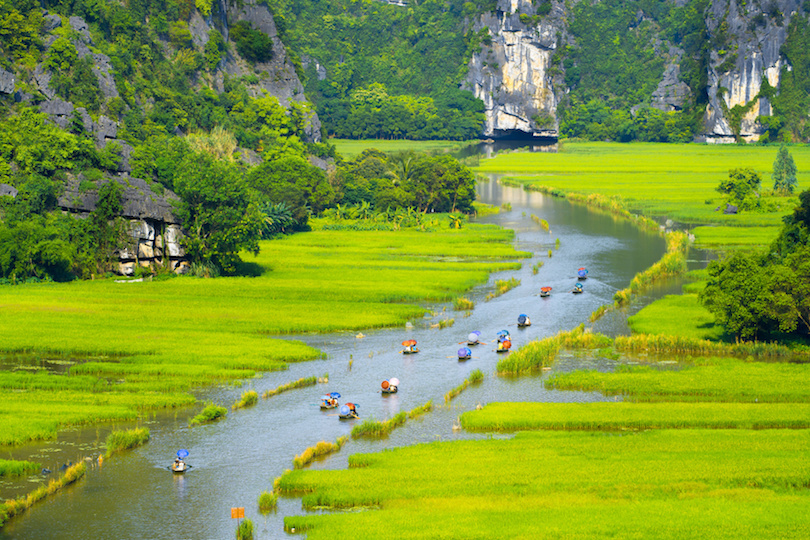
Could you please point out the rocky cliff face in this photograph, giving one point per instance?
(512, 75)
(751, 53)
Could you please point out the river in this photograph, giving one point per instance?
(133, 495)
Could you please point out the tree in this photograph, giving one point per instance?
(216, 211)
(741, 187)
(441, 184)
(796, 229)
(784, 172)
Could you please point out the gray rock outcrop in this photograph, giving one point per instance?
(511, 75)
(7, 81)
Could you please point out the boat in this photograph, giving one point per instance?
(330, 401)
(578, 289)
(348, 411)
(472, 339)
(179, 466)
(504, 346)
(523, 320)
(390, 386)
(464, 353)
(410, 346)
(582, 274)
(545, 291)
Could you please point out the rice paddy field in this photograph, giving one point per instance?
(350, 148)
(125, 348)
(674, 181)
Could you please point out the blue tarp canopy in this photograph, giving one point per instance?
(182, 454)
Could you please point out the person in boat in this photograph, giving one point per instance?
(353, 410)
(578, 288)
(179, 465)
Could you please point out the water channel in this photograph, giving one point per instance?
(134, 495)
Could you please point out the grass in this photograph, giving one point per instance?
(211, 413)
(13, 507)
(673, 263)
(321, 449)
(502, 286)
(118, 441)
(614, 416)
(221, 328)
(267, 502)
(677, 181)
(657, 484)
(703, 379)
(303, 382)
(351, 148)
(476, 376)
(248, 399)
(9, 467)
(539, 354)
(375, 429)
(677, 315)
(463, 304)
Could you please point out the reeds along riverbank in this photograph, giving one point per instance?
(248, 399)
(11, 467)
(321, 449)
(13, 507)
(502, 286)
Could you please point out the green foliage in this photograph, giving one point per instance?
(248, 399)
(118, 441)
(741, 187)
(18, 468)
(267, 502)
(254, 45)
(784, 172)
(216, 211)
(211, 413)
(245, 529)
(215, 49)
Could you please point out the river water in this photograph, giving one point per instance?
(133, 495)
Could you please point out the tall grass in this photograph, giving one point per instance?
(211, 413)
(300, 383)
(321, 449)
(636, 416)
(703, 379)
(463, 304)
(671, 264)
(502, 286)
(475, 377)
(539, 354)
(13, 507)
(10, 467)
(118, 441)
(656, 484)
(248, 399)
(267, 502)
(371, 428)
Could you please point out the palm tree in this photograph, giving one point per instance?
(456, 220)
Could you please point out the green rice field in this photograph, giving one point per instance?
(675, 181)
(137, 346)
(677, 315)
(652, 484)
(703, 379)
(350, 148)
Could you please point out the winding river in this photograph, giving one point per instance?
(134, 496)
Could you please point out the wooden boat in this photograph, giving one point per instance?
(504, 346)
(389, 390)
(325, 406)
(410, 351)
(179, 467)
(578, 290)
(350, 416)
(464, 353)
(524, 321)
(348, 412)
(389, 386)
(545, 292)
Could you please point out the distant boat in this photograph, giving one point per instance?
(472, 339)
(582, 274)
(545, 291)
(348, 411)
(464, 353)
(578, 289)
(410, 346)
(390, 386)
(523, 320)
(504, 346)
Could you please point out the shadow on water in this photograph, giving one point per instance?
(134, 496)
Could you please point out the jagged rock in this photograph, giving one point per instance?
(145, 250)
(42, 79)
(173, 237)
(105, 129)
(7, 190)
(102, 69)
(672, 93)
(511, 76)
(6, 81)
(87, 122)
(57, 107)
(181, 267)
(141, 230)
(51, 22)
(159, 242)
(138, 200)
(126, 268)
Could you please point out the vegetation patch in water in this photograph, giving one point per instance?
(321, 449)
(476, 376)
(13, 507)
(211, 413)
(371, 428)
(248, 399)
(267, 502)
(11, 467)
(539, 354)
(502, 286)
(300, 383)
(118, 441)
(463, 304)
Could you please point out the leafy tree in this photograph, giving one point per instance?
(441, 184)
(750, 298)
(216, 211)
(784, 172)
(796, 229)
(254, 45)
(104, 224)
(741, 187)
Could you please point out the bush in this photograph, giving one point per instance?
(254, 45)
